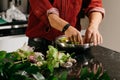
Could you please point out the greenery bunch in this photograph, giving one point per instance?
(25, 64)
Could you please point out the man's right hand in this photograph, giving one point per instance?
(74, 35)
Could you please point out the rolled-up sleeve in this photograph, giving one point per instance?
(93, 6)
(40, 7)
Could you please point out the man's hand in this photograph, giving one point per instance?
(71, 33)
(74, 35)
(93, 35)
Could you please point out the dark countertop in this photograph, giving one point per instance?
(110, 60)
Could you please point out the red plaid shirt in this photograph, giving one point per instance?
(38, 24)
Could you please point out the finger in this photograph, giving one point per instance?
(94, 39)
(79, 37)
(70, 39)
(101, 39)
(91, 39)
(75, 39)
(88, 37)
(98, 39)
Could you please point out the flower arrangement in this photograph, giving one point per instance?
(25, 64)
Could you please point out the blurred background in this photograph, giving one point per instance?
(12, 33)
(110, 27)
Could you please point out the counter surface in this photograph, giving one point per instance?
(110, 60)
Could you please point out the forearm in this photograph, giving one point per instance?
(95, 19)
(71, 33)
(56, 22)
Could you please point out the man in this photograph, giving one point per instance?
(51, 18)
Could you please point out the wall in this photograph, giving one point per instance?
(110, 27)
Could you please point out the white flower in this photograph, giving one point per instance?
(72, 60)
(39, 54)
(67, 64)
(27, 48)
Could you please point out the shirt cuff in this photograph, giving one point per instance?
(53, 11)
(98, 9)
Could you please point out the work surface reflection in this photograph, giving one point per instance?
(97, 62)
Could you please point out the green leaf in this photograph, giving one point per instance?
(91, 76)
(2, 61)
(2, 55)
(84, 73)
(13, 56)
(50, 66)
(63, 75)
(105, 76)
(98, 72)
(19, 77)
(52, 52)
(64, 58)
(20, 66)
(5, 72)
(38, 76)
(52, 77)
(28, 53)
(32, 69)
(1, 67)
